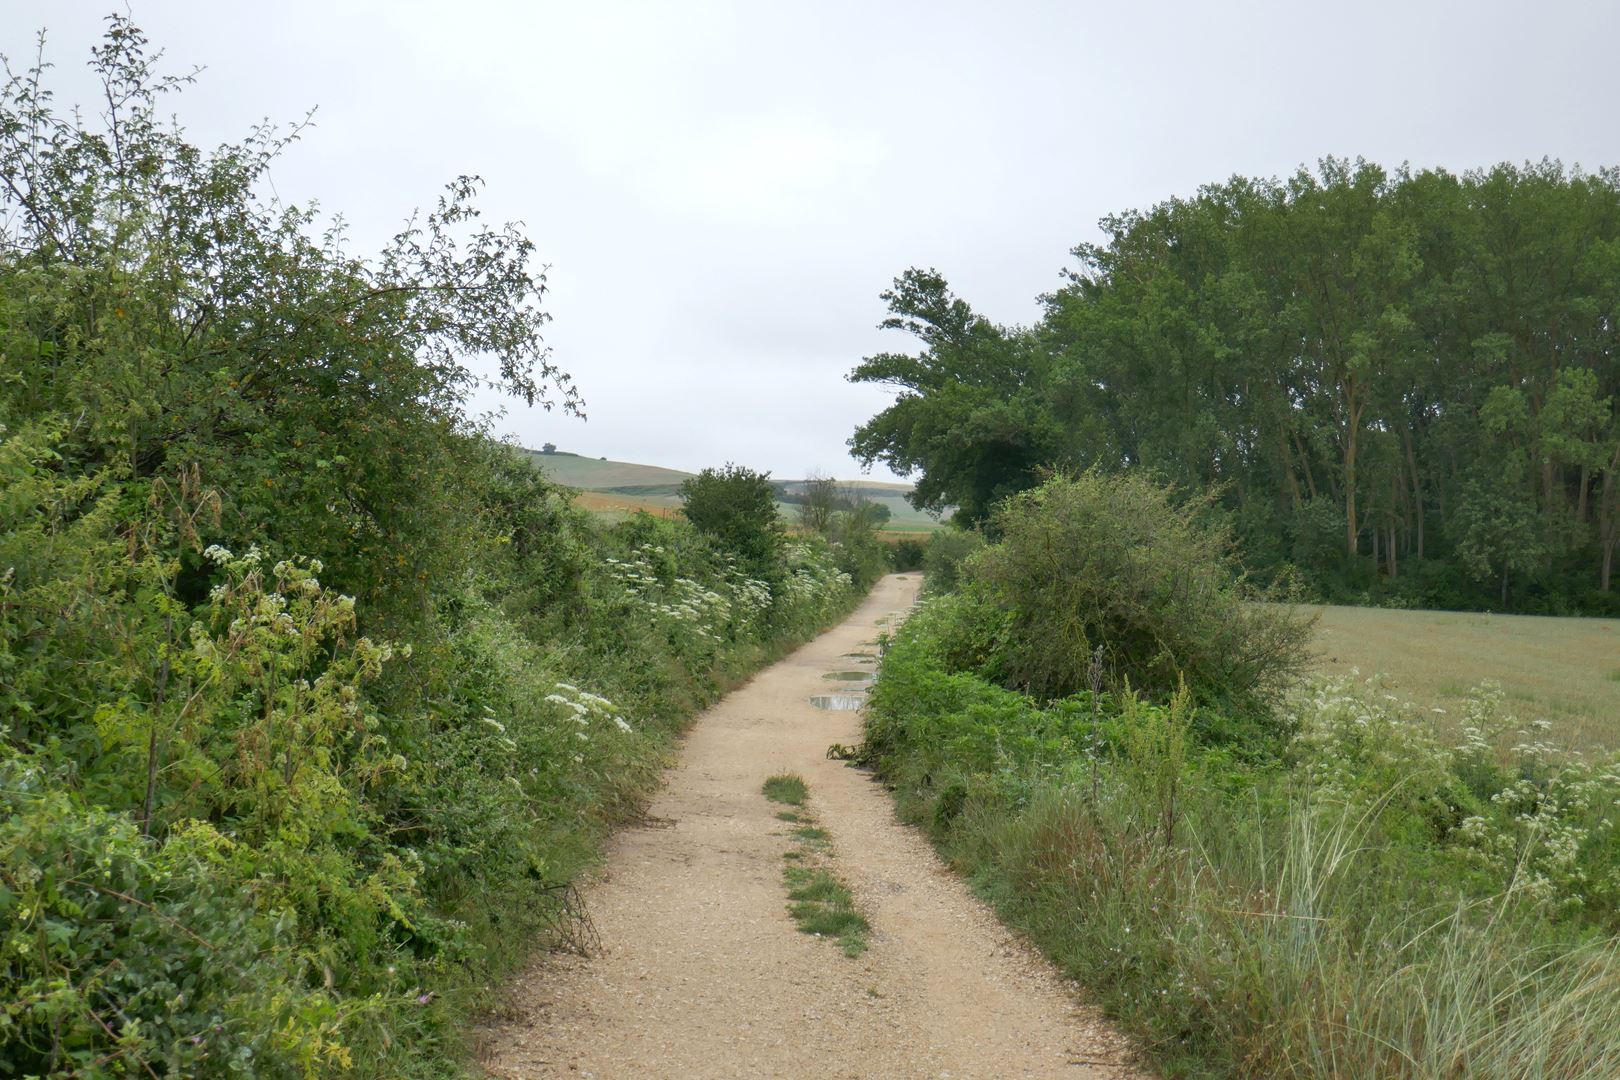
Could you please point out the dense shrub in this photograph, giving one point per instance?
(104, 933)
(943, 557)
(1112, 567)
(907, 553)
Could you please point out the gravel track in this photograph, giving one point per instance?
(701, 972)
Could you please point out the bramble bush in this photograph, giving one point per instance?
(1093, 561)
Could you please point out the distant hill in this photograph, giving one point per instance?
(623, 486)
(600, 474)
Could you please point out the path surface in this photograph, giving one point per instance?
(702, 974)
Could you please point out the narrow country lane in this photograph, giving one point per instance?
(703, 974)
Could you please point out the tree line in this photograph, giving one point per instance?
(1401, 383)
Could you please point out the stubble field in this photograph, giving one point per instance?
(1566, 671)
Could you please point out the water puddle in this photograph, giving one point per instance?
(849, 676)
(838, 702)
(859, 656)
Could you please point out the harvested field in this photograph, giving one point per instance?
(1564, 670)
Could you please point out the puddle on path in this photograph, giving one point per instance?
(849, 676)
(838, 702)
(859, 656)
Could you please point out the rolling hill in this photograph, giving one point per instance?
(625, 487)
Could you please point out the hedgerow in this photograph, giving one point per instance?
(314, 699)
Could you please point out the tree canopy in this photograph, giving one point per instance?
(1401, 382)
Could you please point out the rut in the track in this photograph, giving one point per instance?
(702, 973)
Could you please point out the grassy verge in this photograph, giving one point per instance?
(820, 903)
(1371, 903)
(352, 911)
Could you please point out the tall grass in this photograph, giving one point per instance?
(1271, 948)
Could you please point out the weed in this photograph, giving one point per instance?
(816, 885)
(824, 907)
(786, 788)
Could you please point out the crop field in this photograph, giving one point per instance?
(616, 507)
(1566, 671)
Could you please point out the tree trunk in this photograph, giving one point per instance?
(1417, 485)
(1504, 584)
(1608, 524)
(1305, 460)
(1288, 471)
(1350, 529)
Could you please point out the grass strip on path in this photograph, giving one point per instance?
(821, 904)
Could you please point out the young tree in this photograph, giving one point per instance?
(178, 319)
(736, 507)
(818, 504)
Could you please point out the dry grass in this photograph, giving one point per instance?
(1563, 670)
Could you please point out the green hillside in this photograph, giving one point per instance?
(659, 486)
(600, 474)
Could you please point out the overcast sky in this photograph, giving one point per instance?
(723, 189)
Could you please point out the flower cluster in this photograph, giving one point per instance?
(586, 710)
(1538, 819)
(713, 614)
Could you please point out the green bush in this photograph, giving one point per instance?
(736, 507)
(1095, 569)
(944, 555)
(907, 553)
(126, 957)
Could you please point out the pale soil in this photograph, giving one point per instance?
(702, 973)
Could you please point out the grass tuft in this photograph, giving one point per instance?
(786, 788)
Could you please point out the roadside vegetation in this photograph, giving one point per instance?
(314, 700)
(1258, 877)
(819, 903)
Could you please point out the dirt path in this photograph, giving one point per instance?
(704, 975)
